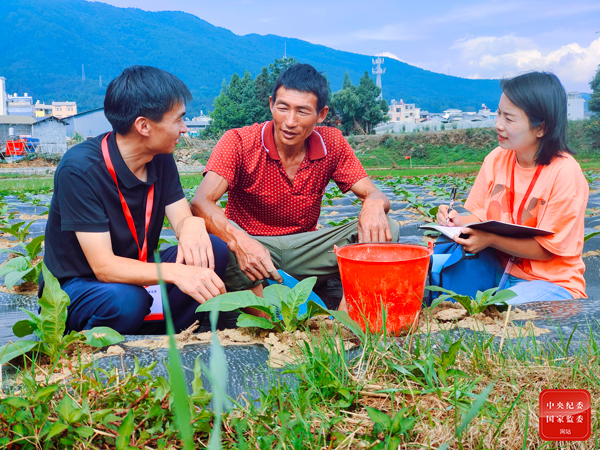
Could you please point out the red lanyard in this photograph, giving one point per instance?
(143, 251)
(511, 196)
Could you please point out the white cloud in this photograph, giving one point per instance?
(493, 57)
(391, 32)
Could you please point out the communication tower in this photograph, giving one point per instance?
(378, 71)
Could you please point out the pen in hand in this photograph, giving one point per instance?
(453, 196)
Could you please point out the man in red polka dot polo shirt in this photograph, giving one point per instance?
(276, 174)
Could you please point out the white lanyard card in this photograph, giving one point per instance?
(156, 310)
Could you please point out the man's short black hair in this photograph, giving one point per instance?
(142, 91)
(303, 78)
(544, 100)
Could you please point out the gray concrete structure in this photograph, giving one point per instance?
(52, 133)
(88, 124)
(575, 106)
(15, 126)
(433, 125)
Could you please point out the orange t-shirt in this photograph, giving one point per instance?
(556, 203)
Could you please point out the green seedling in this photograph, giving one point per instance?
(189, 193)
(49, 326)
(169, 241)
(5, 215)
(588, 236)
(329, 196)
(280, 302)
(18, 230)
(337, 223)
(473, 305)
(22, 267)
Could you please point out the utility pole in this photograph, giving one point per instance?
(100, 81)
(82, 73)
(378, 71)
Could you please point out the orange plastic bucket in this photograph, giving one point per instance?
(392, 275)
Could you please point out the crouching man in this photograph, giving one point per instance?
(275, 174)
(111, 195)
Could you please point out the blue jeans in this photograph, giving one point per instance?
(123, 306)
(531, 291)
(535, 291)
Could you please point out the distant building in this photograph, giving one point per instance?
(404, 112)
(197, 124)
(64, 109)
(15, 126)
(88, 124)
(452, 115)
(484, 112)
(42, 110)
(575, 106)
(51, 131)
(3, 110)
(20, 105)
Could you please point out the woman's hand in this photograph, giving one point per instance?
(447, 219)
(475, 241)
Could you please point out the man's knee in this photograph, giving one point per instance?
(121, 307)
(127, 309)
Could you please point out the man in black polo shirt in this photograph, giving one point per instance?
(111, 194)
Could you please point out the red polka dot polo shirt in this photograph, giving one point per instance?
(262, 200)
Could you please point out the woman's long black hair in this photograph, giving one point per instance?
(544, 100)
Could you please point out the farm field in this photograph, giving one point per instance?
(460, 380)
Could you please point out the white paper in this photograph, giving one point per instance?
(156, 310)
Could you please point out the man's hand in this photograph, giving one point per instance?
(476, 241)
(254, 259)
(199, 283)
(373, 225)
(195, 248)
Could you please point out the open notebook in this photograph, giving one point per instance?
(492, 226)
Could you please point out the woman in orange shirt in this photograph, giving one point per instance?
(530, 179)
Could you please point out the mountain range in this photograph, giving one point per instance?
(46, 45)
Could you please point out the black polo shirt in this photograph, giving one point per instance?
(86, 199)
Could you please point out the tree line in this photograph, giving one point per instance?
(244, 101)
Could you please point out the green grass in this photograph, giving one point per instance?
(25, 183)
(190, 181)
(421, 391)
(417, 171)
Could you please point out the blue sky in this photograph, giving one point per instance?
(470, 38)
